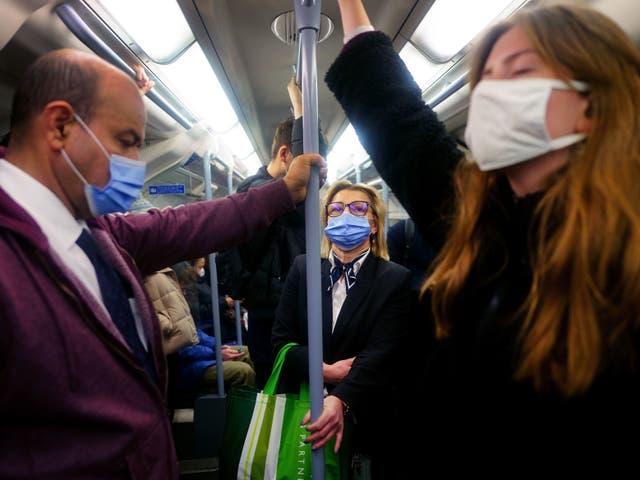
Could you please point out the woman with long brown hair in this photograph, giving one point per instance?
(535, 294)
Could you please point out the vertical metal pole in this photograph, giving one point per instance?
(230, 181)
(308, 25)
(385, 199)
(238, 323)
(358, 174)
(214, 282)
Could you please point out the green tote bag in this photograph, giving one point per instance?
(263, 438)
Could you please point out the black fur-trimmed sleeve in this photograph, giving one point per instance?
(406, 142)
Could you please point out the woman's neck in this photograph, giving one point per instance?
(532, 176)
(345, 256)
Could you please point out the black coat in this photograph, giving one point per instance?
(372, 326)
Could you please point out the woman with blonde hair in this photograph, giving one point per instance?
(535, 294)
(365, 309)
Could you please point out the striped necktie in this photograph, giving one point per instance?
(347, 269)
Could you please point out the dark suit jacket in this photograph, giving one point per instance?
(372, 326)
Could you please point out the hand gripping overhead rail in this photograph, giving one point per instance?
(80, 29)
(308, 25)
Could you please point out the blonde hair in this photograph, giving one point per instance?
(378, 240)
(585, 246)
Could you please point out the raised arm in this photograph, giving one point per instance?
(409, 146)
(353, 16)
(297, 147)
(295, 95)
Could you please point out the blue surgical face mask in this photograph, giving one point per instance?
(347, 231)
(125, 184)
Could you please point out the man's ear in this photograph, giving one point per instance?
(282, 153)
(57, 120)
(285, 157)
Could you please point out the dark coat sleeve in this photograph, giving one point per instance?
(374, 366)
(286, 327)
(408, 145)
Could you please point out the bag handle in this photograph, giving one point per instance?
(272, 384)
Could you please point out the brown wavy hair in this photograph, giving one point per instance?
(584, 300)
(378, 240)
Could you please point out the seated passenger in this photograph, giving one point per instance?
(186, 274)
(194, 281)
(176, 323)
(176, 326)
(198, 369)
(365, 317)
(225, 304)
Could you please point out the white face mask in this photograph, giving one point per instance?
(507, 121)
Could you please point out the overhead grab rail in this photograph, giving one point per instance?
(74, 22)
(456, 85)
(308, 25)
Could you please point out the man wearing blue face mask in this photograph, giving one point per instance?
(81, 366)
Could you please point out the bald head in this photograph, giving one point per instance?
(73, 76)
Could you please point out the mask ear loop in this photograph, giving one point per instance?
(86, 128)
(73, 167)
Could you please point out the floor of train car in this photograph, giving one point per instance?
(192, 467)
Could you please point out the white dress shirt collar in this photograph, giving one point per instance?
(339, 290)
(53, 217)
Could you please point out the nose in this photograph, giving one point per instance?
(134, 154)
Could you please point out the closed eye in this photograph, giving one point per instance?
(522, 71)
(130, 140)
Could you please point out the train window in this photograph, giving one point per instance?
(166, 43)
(423, 71)
(193, 80)
(435, 35)
(241, 145)
(163, 35)
(347, 153)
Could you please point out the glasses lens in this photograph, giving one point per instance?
(335, 209)
(359, 208)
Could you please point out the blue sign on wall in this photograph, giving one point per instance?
(166, 189)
